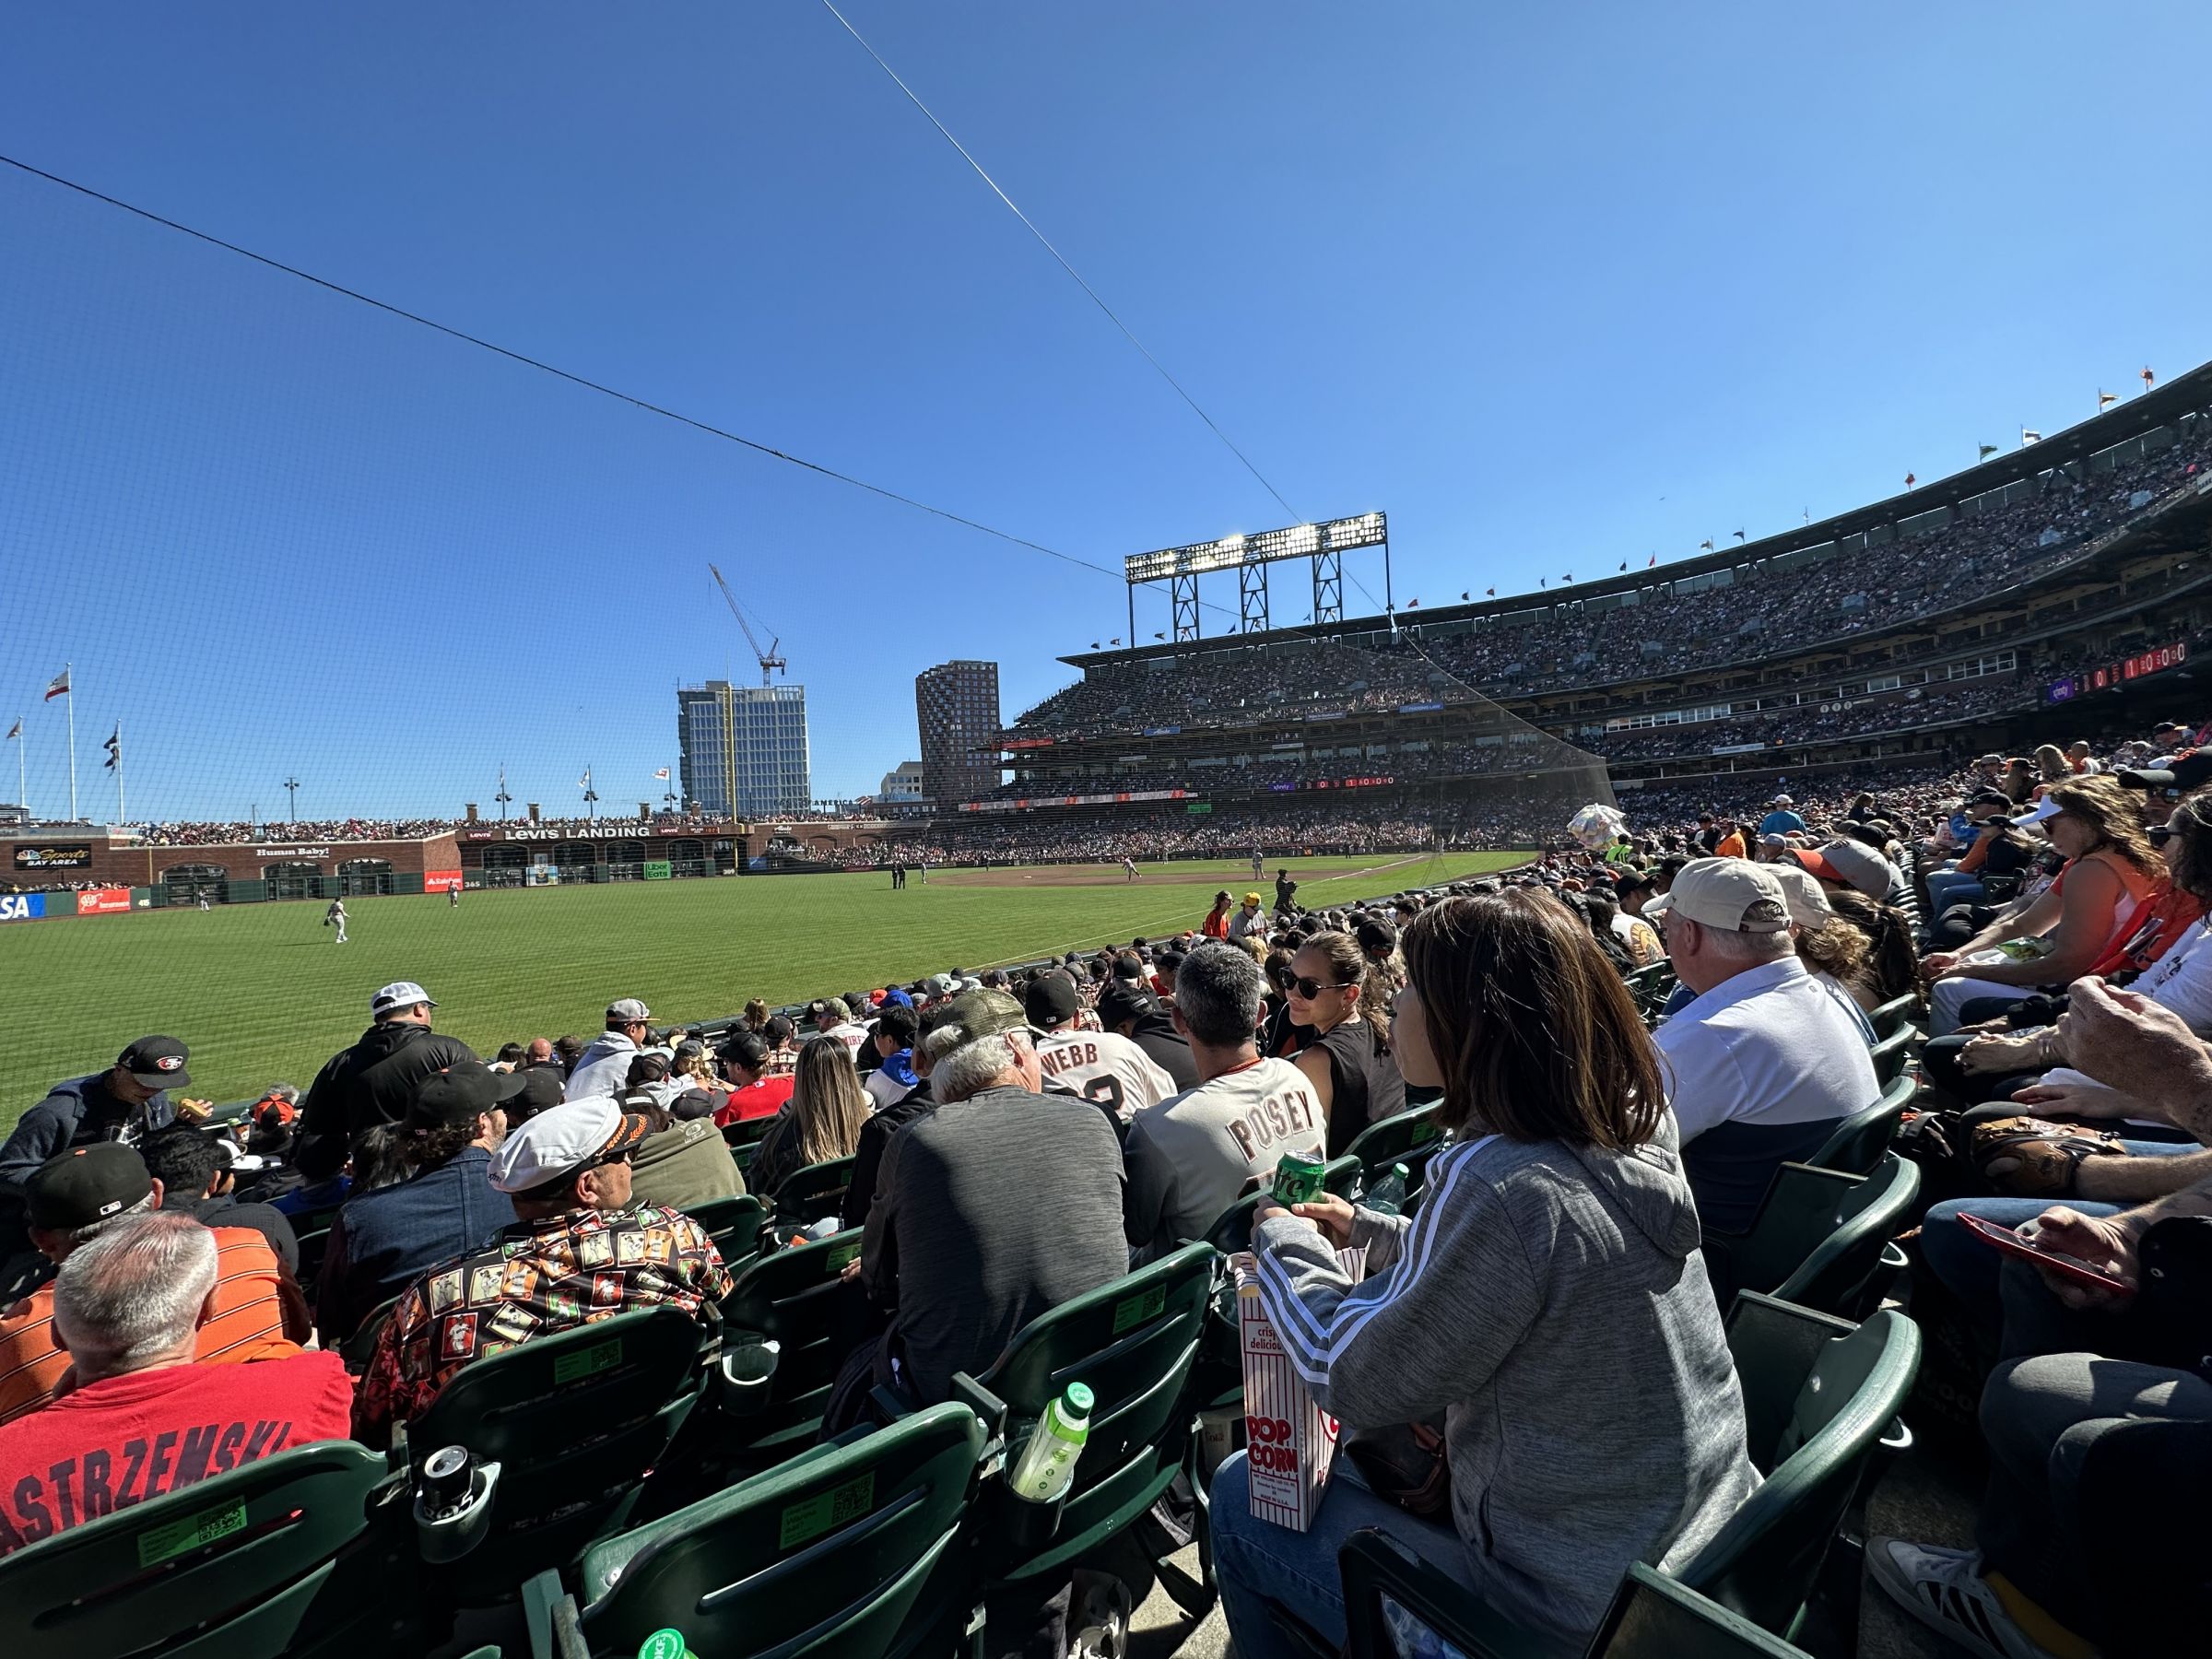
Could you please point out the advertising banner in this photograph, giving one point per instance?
(55, 855)
(438, 881)
(22, 907)
(104, 901)
(659, 869)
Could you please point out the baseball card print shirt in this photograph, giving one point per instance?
(539, 1278)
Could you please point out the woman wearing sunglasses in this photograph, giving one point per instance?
(1346, 1060)
(1549, 1303)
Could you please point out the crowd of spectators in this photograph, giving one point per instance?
(1557, 644)
(1021, 1139)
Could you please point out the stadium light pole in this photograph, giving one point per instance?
(291, 788)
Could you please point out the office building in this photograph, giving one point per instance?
(956, 704)
(744, 749)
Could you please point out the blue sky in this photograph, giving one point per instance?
(1555, 287)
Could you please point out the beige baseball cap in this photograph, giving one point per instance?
(1731, 894)
(1807, 900)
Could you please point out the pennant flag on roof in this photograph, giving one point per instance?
(1707, 546)
(2104, 397)
(1739, 535)
(1987, 451)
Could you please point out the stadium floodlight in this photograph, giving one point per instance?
(1295, 541)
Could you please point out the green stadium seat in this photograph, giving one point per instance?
(1820, 1399)
(304, 1553)
(787, 1325)
(313, 1230)
(1822, 1239)
(1132, 1343)
(744, 1139)
(1860, 1139)
(1893, 1016)
(1890, 1054)
(812, 1193)
(1654, 1616)
(574, 1422)
(859, 1547)
(734, 1225)
(1411, 1138)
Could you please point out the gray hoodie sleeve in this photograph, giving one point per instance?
(1411, 1341)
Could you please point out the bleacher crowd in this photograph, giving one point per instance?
(1593, 1138)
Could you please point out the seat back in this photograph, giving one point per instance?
(744, 1139)
(274, 1557)
(848, 1549)
(1821, 1396)
(812, 1193)
(733, 1226)
(313, 1230)
(574, 1420)
(1834, 1276)
(1232, 1232)
(1410, 1137)
(795, 1299)
(1892, 1016)
(1820, 1232)
(1889, 1054)
(1654, 1617)
(1859, 1141)
(1132, 1343)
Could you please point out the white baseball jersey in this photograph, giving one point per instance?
(1189, 1159)
(1105, 1068)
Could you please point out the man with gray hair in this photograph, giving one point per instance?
(1190, 1157)
(997, 1206)
(1762, 1063)
(140, 1417)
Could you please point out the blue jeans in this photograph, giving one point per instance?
(1946, 887)
(1259, 1562)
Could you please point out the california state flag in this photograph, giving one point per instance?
(57, 686)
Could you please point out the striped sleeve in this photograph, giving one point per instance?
(1431, 1330)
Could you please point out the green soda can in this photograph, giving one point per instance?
(1297, 1178)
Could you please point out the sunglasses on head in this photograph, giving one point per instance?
(1311, 988)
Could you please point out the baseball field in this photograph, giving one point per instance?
(263, 995)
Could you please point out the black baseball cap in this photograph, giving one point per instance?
(2184, 772)
(84, 1185)
(462, 1093)
(541, 1087)
(1049, 998)
(157, 1061)
(1121, 1001)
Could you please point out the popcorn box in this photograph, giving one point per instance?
(1291, 1442)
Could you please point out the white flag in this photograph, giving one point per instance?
(57, 686)
(662, 774)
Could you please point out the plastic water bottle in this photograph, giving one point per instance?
(1389, 1197)
(1048, 1463)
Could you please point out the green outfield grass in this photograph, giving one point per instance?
(262, 994)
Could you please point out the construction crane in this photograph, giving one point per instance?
(770, 662)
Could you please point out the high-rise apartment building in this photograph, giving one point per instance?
(956, 704)
(744, 749)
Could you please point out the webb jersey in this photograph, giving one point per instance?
(1104, 1069)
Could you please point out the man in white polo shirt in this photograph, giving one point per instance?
(1762, 1063)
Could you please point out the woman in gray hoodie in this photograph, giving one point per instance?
(1549, 1303)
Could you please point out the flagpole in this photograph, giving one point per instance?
(121, 816)
(22, 788)
(69, 691)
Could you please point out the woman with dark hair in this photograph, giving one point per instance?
(1887, 967)
(2018, 782)
(1549, 1305)
(822, 1119)
(756, 1015)
(2110, 878)
(2167, 962)
(1347, 1058)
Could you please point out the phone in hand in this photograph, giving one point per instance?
(2066, 1267)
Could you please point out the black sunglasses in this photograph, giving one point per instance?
(2161, 834)
(1311, 988)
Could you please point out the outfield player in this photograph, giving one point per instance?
(1128, 868)
(336, 917)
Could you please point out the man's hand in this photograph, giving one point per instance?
(2129, 1043)
(194, 1112)
(1935, 965)
(2080, 1100)
(1989, 1054)
(2100, 1242)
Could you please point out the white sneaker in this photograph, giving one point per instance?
(1945, 1590)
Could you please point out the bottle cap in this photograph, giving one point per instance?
(1079, 1398)
(664, 1644)
(1399, 1171)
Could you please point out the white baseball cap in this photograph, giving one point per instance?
(1808, 900)
(400, 994)
(562, 1140)
(2045, 810)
